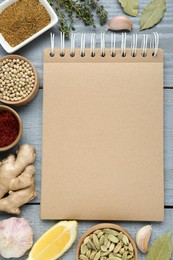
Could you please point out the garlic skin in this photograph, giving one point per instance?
(16, 237)
(143, 237)
(120, 23)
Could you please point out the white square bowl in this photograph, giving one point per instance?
(53, 18)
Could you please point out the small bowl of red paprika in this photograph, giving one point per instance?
(11, 128)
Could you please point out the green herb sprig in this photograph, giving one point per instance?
(81, 9)
(100, 11)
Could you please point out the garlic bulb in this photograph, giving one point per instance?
(143, 237)
(16, 237)
(120, 23)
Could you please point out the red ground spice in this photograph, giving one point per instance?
(9, 128)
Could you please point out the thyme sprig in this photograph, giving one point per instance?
(100, 11)
(81, 9)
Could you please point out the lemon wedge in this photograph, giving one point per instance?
(55, 241)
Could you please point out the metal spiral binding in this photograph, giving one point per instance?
(62, 52)
(134, 44)
(73, 42)
(144, 45)
(113, 44)
(102, 45)
(82, 46)
(93, 45)
(154, 44)
(123, 45)
(52, 44)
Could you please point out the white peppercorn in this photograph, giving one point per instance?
(17, 79)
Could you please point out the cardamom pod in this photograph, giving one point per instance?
(112, 238)
(83, 257)
(97, 256)
(106, 244)
(96, 242)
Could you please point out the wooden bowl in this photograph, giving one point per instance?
(35, 89)
(102, 226)
(12, 111)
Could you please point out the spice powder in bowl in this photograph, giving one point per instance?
(10, 128)
(23, 19)
(19, 81)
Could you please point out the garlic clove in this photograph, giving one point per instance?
(120, 23)
(16, 237)
(143, 237)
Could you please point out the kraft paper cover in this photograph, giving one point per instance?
(103, 137)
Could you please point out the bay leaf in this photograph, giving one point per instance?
(130, 7)
(161, 249)
(152, 14)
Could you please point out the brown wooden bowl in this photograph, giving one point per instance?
(12, 111)
(35, 89)
(102, 226)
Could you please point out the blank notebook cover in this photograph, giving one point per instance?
(103, 137)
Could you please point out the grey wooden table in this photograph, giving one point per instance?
(32, 120)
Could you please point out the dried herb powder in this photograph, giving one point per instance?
(22, 19)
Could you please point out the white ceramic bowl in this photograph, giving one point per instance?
(53, 17)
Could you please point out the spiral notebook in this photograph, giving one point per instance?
(103, 133)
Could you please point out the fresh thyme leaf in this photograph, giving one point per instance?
(100, 11)
(102, 14)
(81, 9)
(63, 24)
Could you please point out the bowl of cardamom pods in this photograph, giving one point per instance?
(106, 242)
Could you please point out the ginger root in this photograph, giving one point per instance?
(17, 179)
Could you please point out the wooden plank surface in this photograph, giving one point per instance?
(32, 214)
(32, 116)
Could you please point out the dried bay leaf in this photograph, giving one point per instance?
(130, 7)
(152, 14)
(161, 249)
